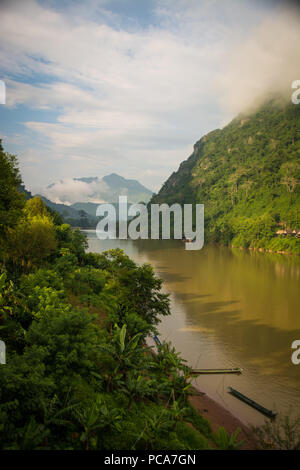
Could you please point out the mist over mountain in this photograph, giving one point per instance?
(96, 190)
(89, 192)
(247, 175)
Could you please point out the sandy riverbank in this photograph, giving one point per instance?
(218, 416)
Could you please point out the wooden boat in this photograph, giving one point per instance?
(262, 409)
(235, 370)
(157, 340)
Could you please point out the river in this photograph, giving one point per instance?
(230, 308)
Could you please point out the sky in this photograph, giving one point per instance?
(128, 86)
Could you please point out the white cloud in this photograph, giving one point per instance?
(68, 191)
(265, 63)
(135, 99)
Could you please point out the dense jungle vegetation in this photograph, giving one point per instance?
(78, 372)
(247, 176)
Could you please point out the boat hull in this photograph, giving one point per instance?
(271, 414)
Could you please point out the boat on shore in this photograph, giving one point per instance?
(271, 414)
(235, 370)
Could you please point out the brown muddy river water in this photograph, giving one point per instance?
(230, 308)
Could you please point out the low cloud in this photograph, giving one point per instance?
(265, 63)
(69, 191)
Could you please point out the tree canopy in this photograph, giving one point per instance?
(11, 200)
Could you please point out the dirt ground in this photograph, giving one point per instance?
(219, 416)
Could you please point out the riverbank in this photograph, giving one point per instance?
(219, 416)
(265, 250)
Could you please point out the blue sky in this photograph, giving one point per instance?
(128, 86)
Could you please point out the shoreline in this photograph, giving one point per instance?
(234, 247)
(263, 250)
(219, 416)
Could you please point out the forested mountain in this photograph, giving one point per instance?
(75, 217)
(89, 207)
(247, 175)
(134, 190)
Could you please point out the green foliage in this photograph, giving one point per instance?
(73, 240)
(79, 374)
(11, 199)
(136, 288)
(199, 422)
(93, 416)
(226, 441)
(254, 231)
(32, 240)
(35, 207)
(281, 434)
(70, 383)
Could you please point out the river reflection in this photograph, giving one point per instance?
(230, 308)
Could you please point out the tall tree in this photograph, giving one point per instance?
(11, 200)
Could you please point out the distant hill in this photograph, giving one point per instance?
(74, 217)
(134, 190)
(247, 176)
(89, 207)
(94, 190)
(82, 213)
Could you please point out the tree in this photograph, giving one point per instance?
(11, 199)
(290, 175)
(35, 207)
(33, 239)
